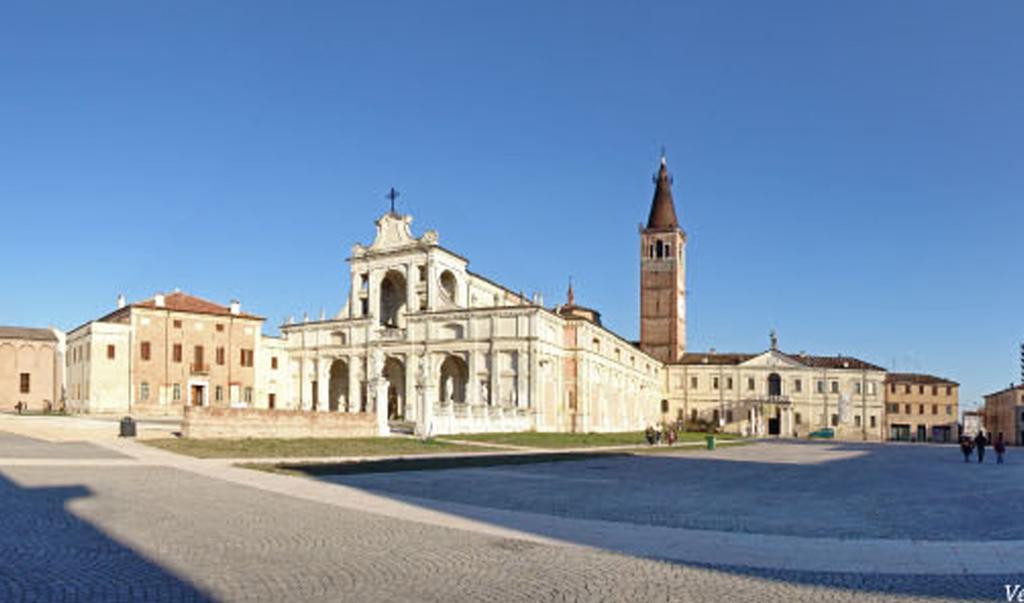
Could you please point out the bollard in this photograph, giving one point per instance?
(711, 441)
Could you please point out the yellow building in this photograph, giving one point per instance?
(921, 408)
(30, 369)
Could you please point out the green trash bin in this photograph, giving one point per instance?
(711, 441)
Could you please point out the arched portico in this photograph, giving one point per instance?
(393, 297)
(338, 390)
(453, 377)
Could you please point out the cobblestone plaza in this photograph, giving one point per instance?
(763, 522)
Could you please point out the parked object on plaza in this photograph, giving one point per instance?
(127, 427)
(710, 441)
(825, 433)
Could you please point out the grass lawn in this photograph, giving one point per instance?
(302, 447)
(574, 440)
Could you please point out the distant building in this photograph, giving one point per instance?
(30, 368)
(1004, 413)
(773, 393)
(973, 422)
(921, 408)
(158, 355)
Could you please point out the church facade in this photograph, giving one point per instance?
(423, 341)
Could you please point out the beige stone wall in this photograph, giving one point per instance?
(202, 423)
(692, 389)
(40, 361)
(918, 405)
(170, 382)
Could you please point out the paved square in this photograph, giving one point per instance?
(168, 528)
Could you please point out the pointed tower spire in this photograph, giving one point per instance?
(570, 297)
(663, 208)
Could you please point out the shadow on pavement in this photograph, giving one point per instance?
(49, 554)
(880, 491)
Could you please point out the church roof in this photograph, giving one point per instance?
(663, 210)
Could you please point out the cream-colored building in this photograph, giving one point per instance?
(31, 368)
(160, 354)
(777, 394)
(1004, 414)
(450, 351)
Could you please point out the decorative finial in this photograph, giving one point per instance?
(774, 339)
(571, 297)
(663, 162)
(392, 195)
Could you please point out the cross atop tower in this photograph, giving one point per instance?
(392, 195)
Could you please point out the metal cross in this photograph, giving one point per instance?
(392, 195)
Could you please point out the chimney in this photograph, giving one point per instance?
(236, 307)
(120, 301)
(159, 300)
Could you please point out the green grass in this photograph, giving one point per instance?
(574, 440)
(303, 447)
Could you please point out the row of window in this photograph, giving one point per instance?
(920, 389)
(219, 326)
(775, 386)
(218, 393)
(907, 409)
(797, 417)
(198, 353)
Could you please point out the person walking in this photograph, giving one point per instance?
(965, 447)
(980, 441)
(1000, 448)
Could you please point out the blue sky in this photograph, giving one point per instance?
(848, 173)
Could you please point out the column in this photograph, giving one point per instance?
(412, 280)
(381, 387)
(472, 381)
(354, 370)
(323, 384)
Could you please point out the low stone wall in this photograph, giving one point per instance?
(204, 422)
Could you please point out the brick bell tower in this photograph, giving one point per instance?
(663, 276)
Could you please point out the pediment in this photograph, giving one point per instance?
(393, 230)
(771, 359)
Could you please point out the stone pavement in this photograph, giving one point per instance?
(174, 528)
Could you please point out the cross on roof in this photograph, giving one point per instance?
(392, 195)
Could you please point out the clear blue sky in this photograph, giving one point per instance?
(849, 173)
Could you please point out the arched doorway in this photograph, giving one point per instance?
(338, 390)
(774, 385)
(392, 299)
(394, 372)
(454, 374)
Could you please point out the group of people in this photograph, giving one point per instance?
(661, 433)
(967, 446)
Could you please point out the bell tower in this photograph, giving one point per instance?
(663, 276)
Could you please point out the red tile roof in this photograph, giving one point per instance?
(183, 302)
(917, 378)
(833, 362)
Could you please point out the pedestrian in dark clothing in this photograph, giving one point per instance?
(649, 434)
(980, 441)
(1000, 448)
(965, 447)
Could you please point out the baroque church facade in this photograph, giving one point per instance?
(424, 341)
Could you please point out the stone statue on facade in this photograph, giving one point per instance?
(449, 389)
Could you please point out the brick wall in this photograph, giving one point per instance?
(203, 422)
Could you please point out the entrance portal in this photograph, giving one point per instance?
(394, 372)
(197, 395)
